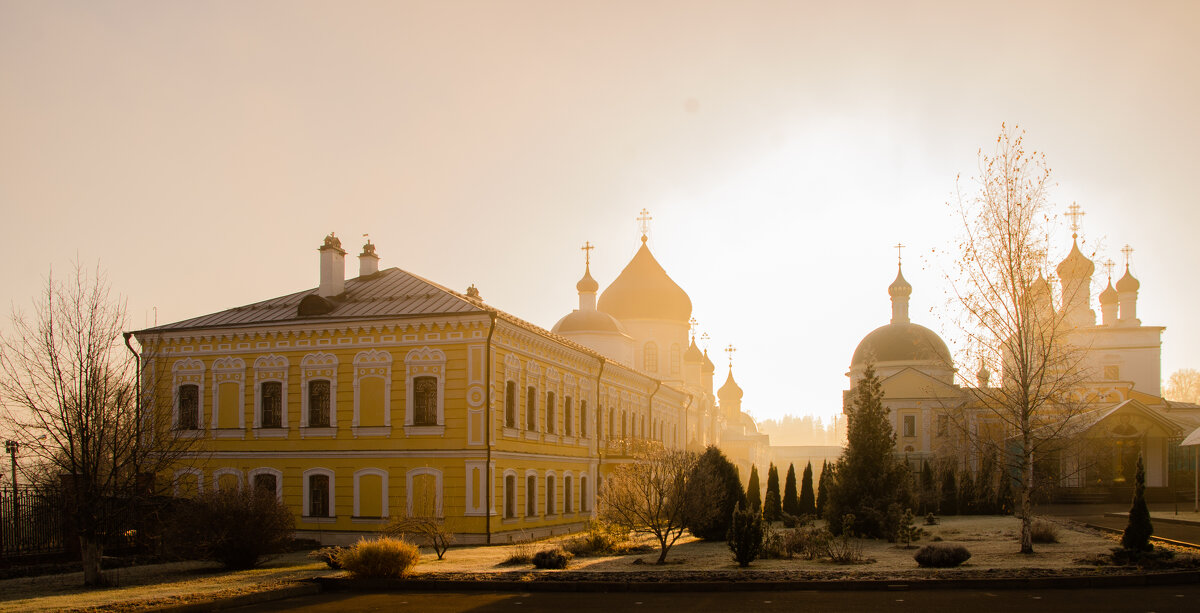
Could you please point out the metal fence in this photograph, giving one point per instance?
(31, 521)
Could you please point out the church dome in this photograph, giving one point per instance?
(644, 291)
(588, 321)
(587, 284)
(708, 368)
(901, 342)
(730, 392)
(1127, 283)
(1109, 295)
(900, 287)
(1075, 265)
(693, 355)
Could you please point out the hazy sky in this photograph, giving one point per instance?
(200, 151)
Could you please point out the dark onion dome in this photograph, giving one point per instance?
(1109, 295)
(708, 368)
(1075, 265)
(644, 291)
(693, 355)
(899, 287)
(901, 342)
(730, 391)
(588, 321)
(1127, 283)
(587, 285)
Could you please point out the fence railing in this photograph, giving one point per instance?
(31, 521)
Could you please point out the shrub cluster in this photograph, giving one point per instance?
(553, 557)
(1043, 531)
(942, 556)
(239, 528)
(385, 557)
(331, 556)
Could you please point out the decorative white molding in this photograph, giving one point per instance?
(424, 362)
(305, 499)
(378, 472)
(221, 472)
(267, 471)
(188, 371)
(373, 364)
(476, 479)
(191, 472)
(314, 367)
(271, 368)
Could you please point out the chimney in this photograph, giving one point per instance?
(368, 261)
(333, 268)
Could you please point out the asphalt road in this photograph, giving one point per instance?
(1144, 599)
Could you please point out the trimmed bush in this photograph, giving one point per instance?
(1044, 531)
(554, 557)
(942, 556)
(380, 558)
(239, 528)
(1137, 533)
(745, 538)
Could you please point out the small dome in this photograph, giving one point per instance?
(1075, 265)
(587, 285)
(900, 287)
(1109, 295)
(644, 291)
(730, 392)
(693, 355)
(588, 321)
(902, 342)
(708, 368)
(1127, 283)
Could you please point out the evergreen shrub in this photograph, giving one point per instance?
(745, 538)
(942, 556)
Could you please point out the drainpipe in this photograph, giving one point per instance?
(137, 404)
(487, 469)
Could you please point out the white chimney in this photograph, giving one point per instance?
(333, 268)
(368, 261)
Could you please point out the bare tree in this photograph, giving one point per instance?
(70, 392)
(647, 496)
(1183, 385)
(1008, 316)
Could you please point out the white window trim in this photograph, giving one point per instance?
(378, 472)
(531, 473)
(473, 507)
(369, 365)
(316, 367)
(550, 500)
(194, 472)
(437, 489)
(268, 471)
(516, 404)
(425, 362)
(271, 368)
(568, 496)
(188, 371)
(516, 495)
(221, 472)
(305, 499)
(228, 370)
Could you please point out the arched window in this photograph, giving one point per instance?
(568, 417)
(189, 407)
(531, 408)
(550, 412)
(510, 495)
(584, 505)
(583, 419)
(531, 495)
(318, 403)
(650, 357)
(510, 404)
(271, 400)
(318, 493)
(568, 504)
(425, 401)
(551, 509)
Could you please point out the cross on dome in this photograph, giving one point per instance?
(587, 252)
(692, 324)
(1108, 266)
(644, 221)
(898, 247)
(730, 350)
(704, 338)
(1128, 251)
(1075, 213)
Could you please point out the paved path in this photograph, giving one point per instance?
(1094, 514)
(1156, 599)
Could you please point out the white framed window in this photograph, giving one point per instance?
(568, 417)
(568, 494)
(371, 493)
(425, 383)
(510, 404)
(583, 419)
(531, 493)
(585, 503)
(650, 357)
(188, 385)
(510, 494)
(318, 500)
(423, 491)
(267, 479)
(372, 393)
(187, 482)
(910, 425)
(227, 477)
(531, 397)
(271, 395)
(551, 494)
(318, 394)
(228, 396)
(551, 408)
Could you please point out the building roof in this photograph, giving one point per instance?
(643, 290)
(1075, 265)
(902, 342)
(589, 321)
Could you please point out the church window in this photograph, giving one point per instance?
(189, 407)
(583, 420)
(650, 357)
(318, 403)
(272, 404)
(318, 496)
(1112, 372)
(674, 358)
(510, 404)
(568, 504)
(910, 425)
(568, 421)
(550, 409)
(551, 509)
(510, 496)
(531, 496)
(425, 401)
(531, 409)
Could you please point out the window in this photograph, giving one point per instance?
(550, 412)
(583, 420)
(910, 425)
(318, 495)
(567, 502)
(611, 430)
(189, 407)
(531, 409)
(531, 496)
(318, 404)
(272, 404)
(510, 496)
(425, 408)
(510, 404)
(650, 357)
(568, 418)
(583, 494)
(675, 358)
(266, 483)
(550, 495)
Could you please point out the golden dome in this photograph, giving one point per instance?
(1075, 265)
(1127, 283)
(644, 291)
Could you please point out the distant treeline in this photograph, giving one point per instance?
(804, 430)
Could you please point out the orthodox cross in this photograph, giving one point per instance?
(692, 325)
(1074, 213)
(704, 339)
(730, 350)
(587, 252)
(1128, 251)
(898, 247)
(1108, 266)
(644, 222)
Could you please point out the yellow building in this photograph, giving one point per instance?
(388, 394)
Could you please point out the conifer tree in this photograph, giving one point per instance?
(1137, 533)
(985, 487)
(822, 489)
(868, 478)
(713, 484)
(1004, 494)
(753, 491)
(949, 501)
(928, 493)
(772, 503)
(966, 493)
(791, 503)
(808, 505)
